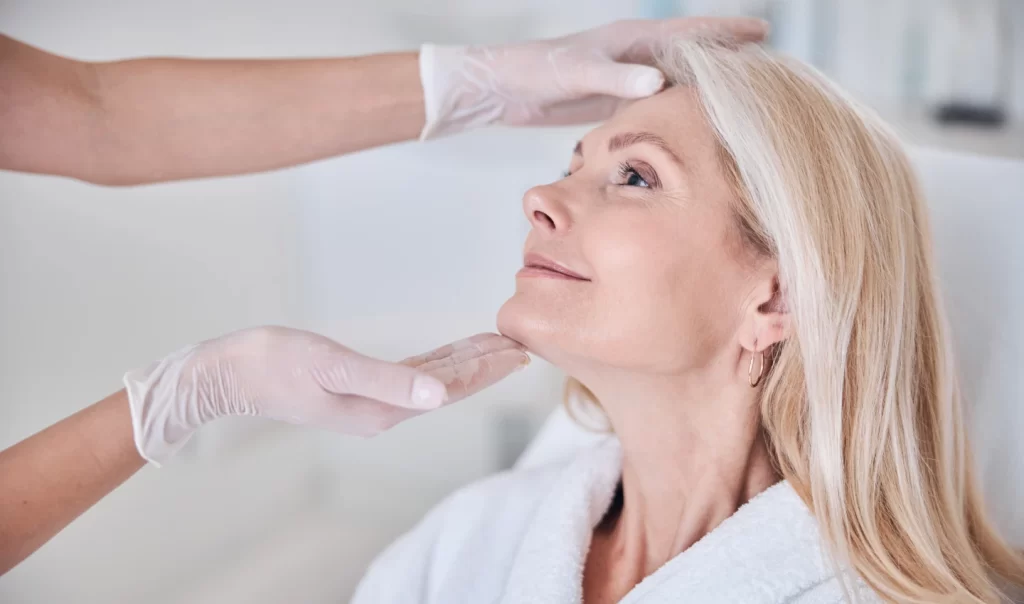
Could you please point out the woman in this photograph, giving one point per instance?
(739, 272)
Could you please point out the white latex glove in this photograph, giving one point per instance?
(576, 79)
(303, 378)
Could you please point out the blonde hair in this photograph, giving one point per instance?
(861, 406)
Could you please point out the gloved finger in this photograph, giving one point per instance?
(616, 79)
(638, 41)
(462, 357)
(463, 377)
(391, 383)
(623, 80)
(587, 110)
(467, 376)
(361, 416)
(480, 344)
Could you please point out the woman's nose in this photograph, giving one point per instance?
(545, 210)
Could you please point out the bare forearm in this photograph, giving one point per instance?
(168, 119)
(48, 480)
(151, 120)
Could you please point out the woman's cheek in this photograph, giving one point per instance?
(626, 250)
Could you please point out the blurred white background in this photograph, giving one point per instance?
(392, 252)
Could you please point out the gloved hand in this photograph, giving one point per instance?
(303, 378)
(576, 79)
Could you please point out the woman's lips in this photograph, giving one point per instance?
(544, 273)
(536, 265)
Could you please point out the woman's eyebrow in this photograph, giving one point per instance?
(628, 139)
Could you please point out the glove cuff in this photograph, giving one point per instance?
(458, 90)
(161, 422)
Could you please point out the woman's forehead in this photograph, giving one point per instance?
(674, 115)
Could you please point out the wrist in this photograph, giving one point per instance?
(111, 443)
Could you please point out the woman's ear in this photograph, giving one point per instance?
(767, 321)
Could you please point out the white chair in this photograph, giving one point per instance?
(977, 207)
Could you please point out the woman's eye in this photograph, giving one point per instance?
(635, 180)
(631, 178)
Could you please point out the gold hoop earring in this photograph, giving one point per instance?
(750, 371)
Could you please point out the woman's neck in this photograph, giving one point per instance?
(692, 454)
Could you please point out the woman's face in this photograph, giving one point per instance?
(635, 258)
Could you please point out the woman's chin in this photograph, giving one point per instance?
(512, 323)
(523, 323)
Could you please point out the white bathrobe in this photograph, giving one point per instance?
(522, 537)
